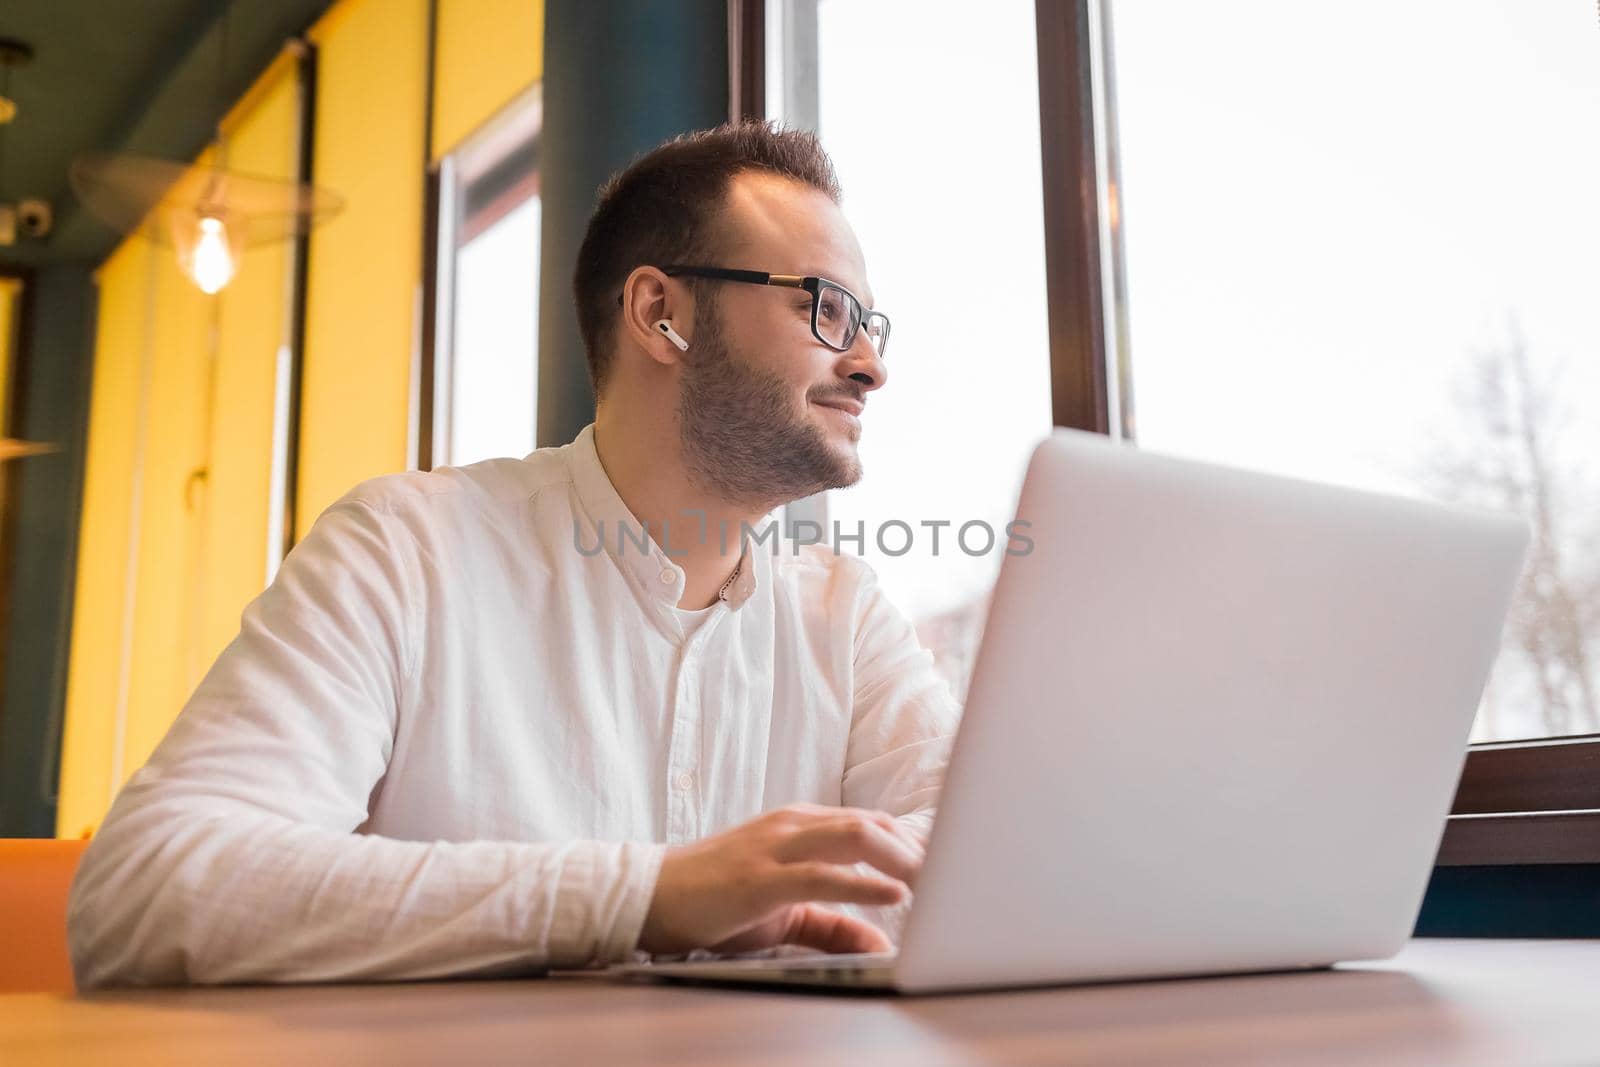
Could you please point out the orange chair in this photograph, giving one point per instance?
(34, 876)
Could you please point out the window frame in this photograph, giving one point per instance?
(453, 213)
(1528, 802)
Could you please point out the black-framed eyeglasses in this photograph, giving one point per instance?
(836, 315)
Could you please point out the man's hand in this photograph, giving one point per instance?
(752, 887)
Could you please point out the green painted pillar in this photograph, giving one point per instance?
(619, 78)
(57, 360)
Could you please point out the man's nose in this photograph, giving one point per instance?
(863, 365)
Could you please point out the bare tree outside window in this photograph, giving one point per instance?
(1508, 452)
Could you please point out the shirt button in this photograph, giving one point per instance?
(668, 577)
(684, 781)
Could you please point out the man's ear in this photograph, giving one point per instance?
(650, 298)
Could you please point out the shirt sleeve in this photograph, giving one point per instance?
(902, 726)
(234, 854)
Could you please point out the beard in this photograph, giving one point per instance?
(741, 437)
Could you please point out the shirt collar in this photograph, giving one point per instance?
(607, 520)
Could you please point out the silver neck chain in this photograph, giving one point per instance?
(722, 594)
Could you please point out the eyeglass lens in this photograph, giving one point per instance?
(839, 316)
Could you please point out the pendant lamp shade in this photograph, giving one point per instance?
(208, 215)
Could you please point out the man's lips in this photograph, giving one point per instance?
(849, 407)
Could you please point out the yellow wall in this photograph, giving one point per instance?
(486, 52)
(94, 674)
(166, 579)
(366, 264)
(174, 530)
(254, 323)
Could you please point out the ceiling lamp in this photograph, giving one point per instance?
(207, 213)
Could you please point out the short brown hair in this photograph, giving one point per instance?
(664, 208)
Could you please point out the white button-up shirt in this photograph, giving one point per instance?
(456, 735)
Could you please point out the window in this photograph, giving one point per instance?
(486, 326)
(955, 254)
(1361, 247)
(1164, 345)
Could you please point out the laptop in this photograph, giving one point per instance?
(1214, 726)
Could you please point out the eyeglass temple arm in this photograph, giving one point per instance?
(792, 281)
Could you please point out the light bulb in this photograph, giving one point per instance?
(212, 266)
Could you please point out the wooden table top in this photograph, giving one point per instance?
(1458, 1002)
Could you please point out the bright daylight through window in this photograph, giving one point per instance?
(1363, 248)
(955, 256)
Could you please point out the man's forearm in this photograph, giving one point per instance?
(167, 896)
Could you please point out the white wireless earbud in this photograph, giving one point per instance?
(665, 326)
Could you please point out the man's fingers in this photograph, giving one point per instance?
(829, 931)
(800, 883)
(904, 832)
(850, 839)
(914, 838)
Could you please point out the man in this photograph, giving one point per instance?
(558, 711)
